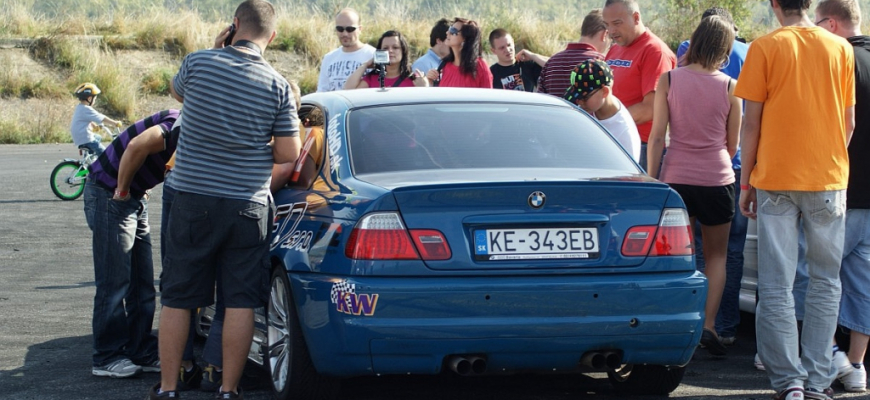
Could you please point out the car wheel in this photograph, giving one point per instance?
(292, 373)
(646, 379)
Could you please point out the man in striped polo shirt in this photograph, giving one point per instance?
(116, 210)
(556, 75)
(235, 104)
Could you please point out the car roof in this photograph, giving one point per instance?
(377, 97)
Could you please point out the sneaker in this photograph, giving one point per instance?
(841, 362)
(153, 366)
(188, 380)
(152, 394)
(230, 395)
(816, 394)
(211, 379)
(711, 342)
(758, 365)
(727, 340)
(123, 368)
(792, 393)
(856, 381)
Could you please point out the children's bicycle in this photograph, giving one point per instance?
(68, 177)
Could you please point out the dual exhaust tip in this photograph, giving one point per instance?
(602, 360)
(467, 365)
(476, 365)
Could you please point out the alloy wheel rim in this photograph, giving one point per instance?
(279, 335)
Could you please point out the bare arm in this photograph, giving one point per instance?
(643, 112)
(146, 143)
(355, 80)
(286, 149)
(732, 138)
(748, 155)
(525, 55)
(850, 123)
(661, 119)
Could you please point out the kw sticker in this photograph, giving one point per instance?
(347, 301)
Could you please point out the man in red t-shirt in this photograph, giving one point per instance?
(637, 59)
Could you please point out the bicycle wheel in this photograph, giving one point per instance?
(68, 180)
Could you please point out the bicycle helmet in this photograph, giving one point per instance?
(86, 90)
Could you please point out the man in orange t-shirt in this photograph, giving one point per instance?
(799, 85)
(637, 59)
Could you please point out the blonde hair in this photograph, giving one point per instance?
(846, 11)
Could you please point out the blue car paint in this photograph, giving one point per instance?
(551, 319)
(526, 316)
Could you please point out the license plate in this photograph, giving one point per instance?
(536, 244)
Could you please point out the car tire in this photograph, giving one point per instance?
(291, 371)
(646, 379)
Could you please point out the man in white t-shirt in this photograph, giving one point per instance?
(591, 89)
(338, 64)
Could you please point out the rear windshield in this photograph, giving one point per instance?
(479, 136)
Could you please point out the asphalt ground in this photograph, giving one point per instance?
(47, 289)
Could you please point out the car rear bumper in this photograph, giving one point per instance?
(369, 325)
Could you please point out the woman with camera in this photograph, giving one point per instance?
(395, 68)
(463, 67)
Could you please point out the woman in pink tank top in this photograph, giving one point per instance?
(697, 104)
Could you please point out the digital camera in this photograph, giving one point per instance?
(382, 57)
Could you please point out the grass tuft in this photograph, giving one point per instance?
(157, 81)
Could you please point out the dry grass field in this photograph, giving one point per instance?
(132, 55)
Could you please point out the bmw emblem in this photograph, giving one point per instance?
(537, 199)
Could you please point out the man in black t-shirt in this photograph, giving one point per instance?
(843, 18)
(513, 72)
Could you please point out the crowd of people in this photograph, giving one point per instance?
(761, 131)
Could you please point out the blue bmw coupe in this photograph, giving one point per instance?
(468, 231)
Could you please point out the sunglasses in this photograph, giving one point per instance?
(349, 29)
(453, 30)
(821, 21)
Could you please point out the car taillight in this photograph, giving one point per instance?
(431, 244)
(673, 237)
(638, 240)
(380, 236)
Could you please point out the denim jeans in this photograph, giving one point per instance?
(780, 216)
(642, 160)
(124, 273)
(95, 146)
(212, 352)
(855, 272)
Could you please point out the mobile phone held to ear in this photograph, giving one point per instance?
(229, 39)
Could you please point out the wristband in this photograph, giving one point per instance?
(745, 187)
(121, 194)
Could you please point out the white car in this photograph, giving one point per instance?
(749, 283)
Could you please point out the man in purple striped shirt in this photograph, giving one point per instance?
(116, 210)
(556, 75)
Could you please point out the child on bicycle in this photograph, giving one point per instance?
(86, 118)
